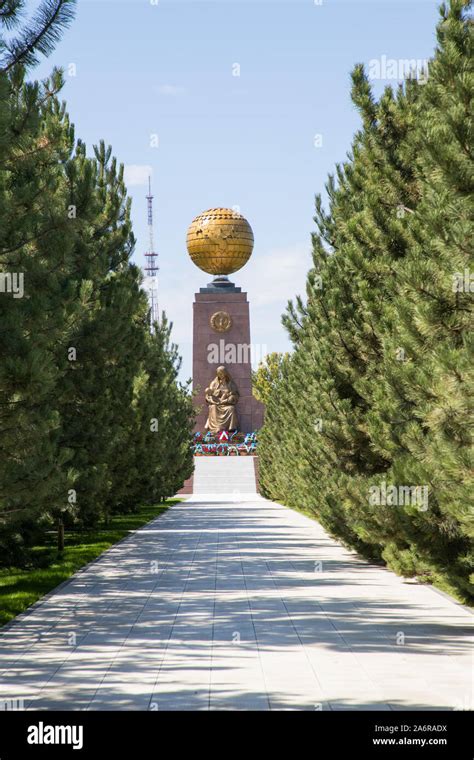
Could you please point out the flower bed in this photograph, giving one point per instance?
(224, 444)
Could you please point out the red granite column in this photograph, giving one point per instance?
(231, 348)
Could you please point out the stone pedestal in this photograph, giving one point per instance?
(221, 336)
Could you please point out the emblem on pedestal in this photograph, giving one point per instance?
(221, 321)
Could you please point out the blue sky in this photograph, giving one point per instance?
(166, 69)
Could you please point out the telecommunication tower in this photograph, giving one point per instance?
(151, 268)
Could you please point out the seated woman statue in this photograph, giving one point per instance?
(222, 396)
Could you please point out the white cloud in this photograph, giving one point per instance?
(137, 174)
(276, 276)
(171, 90)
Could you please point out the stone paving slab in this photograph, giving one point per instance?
(228, 604)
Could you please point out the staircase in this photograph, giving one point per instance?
(234, 476)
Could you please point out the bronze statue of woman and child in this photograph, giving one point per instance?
(222, 396)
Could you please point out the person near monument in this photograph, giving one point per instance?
(222, 396)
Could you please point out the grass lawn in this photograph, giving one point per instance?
(20, 587)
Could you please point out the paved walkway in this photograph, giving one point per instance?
(238, 605)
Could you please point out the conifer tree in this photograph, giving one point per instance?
(33, 37)
(107, 345)
(430, 392)
(157, 457)
(75, 344)
(32, 144)
(337, 331)
(378, 390)
(35, 244)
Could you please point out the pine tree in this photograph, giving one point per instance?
(107, 346)
(79, 368)
(377, 390)
(430, 392)
(157, 457)
(37, 36)
(32, 143)
(35, 244)
(337, 332)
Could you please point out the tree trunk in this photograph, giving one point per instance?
(60, 534)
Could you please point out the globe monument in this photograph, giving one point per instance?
(220, 242)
